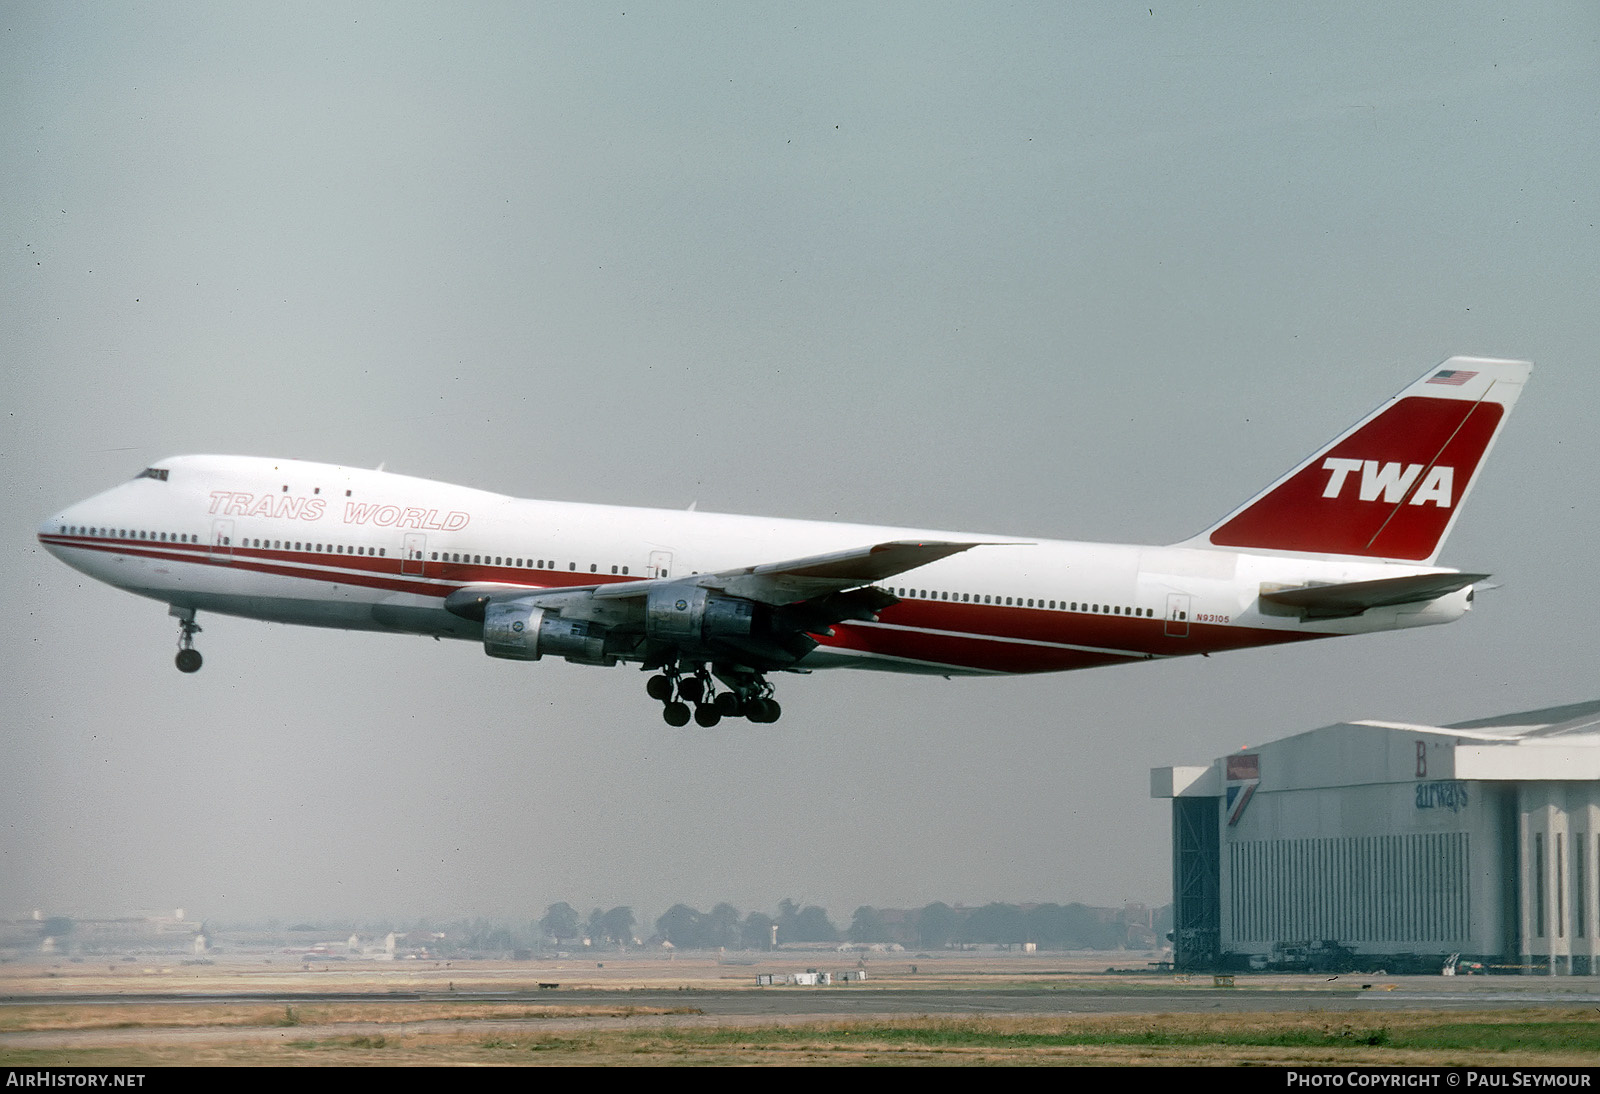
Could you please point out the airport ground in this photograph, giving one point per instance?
(709, 1009)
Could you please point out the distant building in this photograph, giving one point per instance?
(1378, 842)
(67, 935)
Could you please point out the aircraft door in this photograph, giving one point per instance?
(412, 553)
(1178, 614)
(222, 540)
(660, 564)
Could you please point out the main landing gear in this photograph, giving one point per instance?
(188, 659)
(749, 695)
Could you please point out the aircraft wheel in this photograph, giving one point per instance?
(727, 704)
(707, 715)
(676, 714)
(691, 689)
(764, 710)
(188, 660)
(659, 688)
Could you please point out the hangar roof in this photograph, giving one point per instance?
(1559, 743)
(1549, 722)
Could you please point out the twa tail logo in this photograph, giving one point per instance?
(1388, 482)
(1393, 484)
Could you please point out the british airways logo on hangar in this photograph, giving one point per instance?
(1390, 482)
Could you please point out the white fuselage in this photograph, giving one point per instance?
(320, 545)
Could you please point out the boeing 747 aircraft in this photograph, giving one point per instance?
(712, 605)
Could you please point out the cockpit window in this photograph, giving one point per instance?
(153, 473)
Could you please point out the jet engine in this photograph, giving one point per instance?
(518, 630)
(690, 614)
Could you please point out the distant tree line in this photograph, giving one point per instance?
(562, 924)
(1049, 926)
(722, 928)
(935, 926)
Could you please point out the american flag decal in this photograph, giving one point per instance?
(1452, 376)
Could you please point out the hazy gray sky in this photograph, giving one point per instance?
(1079, 271)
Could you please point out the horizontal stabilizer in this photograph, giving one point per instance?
(1355, 597)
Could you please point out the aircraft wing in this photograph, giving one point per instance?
(779, 583)
(817, 583)
(1355, 597)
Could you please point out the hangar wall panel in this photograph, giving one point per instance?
(1372, 889)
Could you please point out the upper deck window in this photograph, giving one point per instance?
(153, 473)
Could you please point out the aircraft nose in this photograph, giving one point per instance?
(49, 530)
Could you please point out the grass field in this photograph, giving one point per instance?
(420, 1015)
(491, 1035)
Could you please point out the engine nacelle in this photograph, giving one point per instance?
(681, 615)
(518, 630)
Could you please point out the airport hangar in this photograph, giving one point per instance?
(1379, 844)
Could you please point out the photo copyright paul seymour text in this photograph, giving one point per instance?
(1435, 1079)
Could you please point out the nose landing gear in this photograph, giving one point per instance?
(188, 659)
